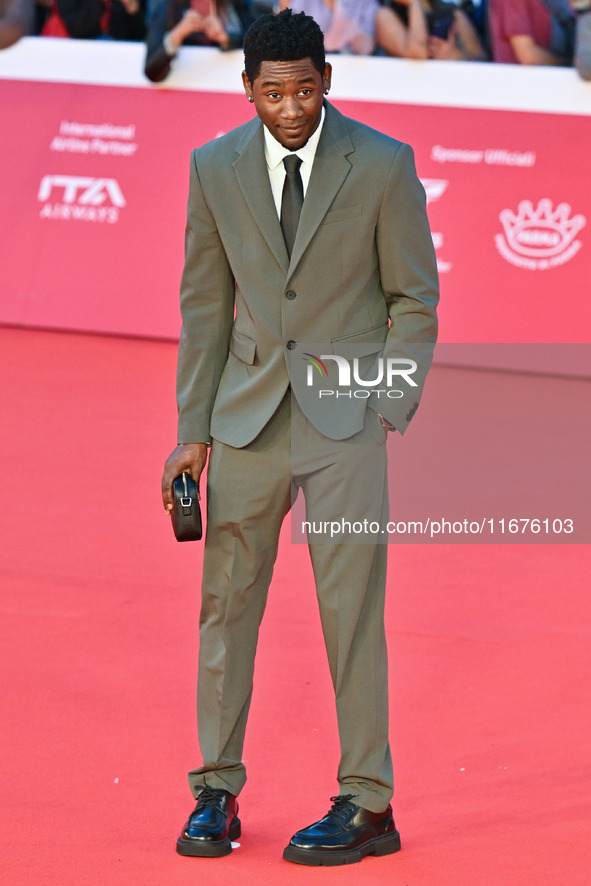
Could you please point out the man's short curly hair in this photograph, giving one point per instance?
(283, 38)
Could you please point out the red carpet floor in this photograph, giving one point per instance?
(490, 666)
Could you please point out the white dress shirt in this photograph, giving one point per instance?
(274, 154)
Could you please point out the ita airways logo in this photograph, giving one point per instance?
(80, 198)
(540, 238)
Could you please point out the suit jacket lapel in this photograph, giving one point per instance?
(329, 171)
(253, 178)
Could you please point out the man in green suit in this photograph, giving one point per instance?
(328, 260)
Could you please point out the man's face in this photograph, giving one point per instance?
(288, 98)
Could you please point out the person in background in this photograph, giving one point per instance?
(478, 12)
(582, 60)
(347, 25)
(16, 20)
(94, 19)
(173, 23)
(421, 29)
(402, 30)
(531, 32)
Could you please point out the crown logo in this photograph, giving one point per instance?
(542, 232)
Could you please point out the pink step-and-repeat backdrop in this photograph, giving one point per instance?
(94, 178)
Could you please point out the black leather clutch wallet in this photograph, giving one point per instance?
(186, 512)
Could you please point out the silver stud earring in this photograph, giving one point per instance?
(250, 98)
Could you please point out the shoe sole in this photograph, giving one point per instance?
(212, 848)
(386, 844)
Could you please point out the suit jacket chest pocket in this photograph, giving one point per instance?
(344, 214)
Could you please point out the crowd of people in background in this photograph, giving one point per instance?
(529, 32)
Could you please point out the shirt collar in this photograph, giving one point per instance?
(275, 152)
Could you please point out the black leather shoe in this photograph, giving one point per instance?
(212, 825)
(346, 834)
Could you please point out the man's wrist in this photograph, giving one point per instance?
(387, 425)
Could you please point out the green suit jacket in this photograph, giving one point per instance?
(361, 282)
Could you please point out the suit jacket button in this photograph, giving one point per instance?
(290, 294)
(291, 344)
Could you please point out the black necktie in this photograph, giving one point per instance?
(292, 199)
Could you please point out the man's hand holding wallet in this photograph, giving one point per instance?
(185, 459)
